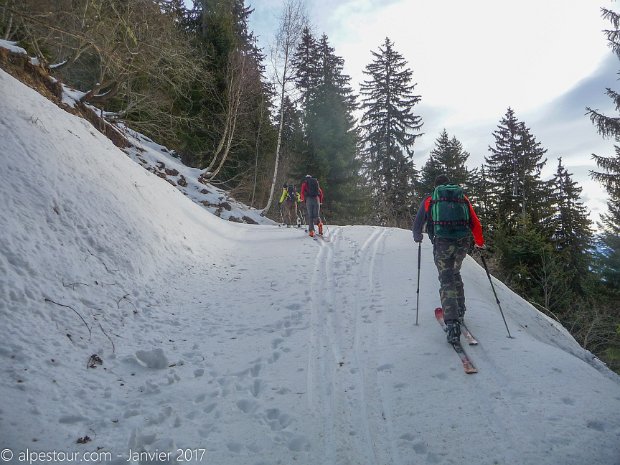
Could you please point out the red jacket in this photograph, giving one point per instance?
(304, 188)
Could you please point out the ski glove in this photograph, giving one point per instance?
(417, 237)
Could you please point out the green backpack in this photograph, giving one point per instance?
(449, 212)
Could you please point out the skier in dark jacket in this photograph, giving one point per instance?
(450, 238)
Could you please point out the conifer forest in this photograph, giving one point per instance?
(191, 76)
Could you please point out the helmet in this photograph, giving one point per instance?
(284, 185)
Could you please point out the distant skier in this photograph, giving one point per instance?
(312, 195)
(288, 204)
(449, 219)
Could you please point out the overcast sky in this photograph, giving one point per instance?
(471, 60)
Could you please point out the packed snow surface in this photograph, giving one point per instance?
(138, 327)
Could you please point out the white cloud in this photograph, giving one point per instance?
(478, 56)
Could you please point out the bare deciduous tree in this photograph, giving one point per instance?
(292, 22)
(129, 54)
(236, 74)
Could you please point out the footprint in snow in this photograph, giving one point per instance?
(256, 387)
(298, 444)
(596, 425)
(420, 448)
(247, 405)
(274, 357)
(277, 420)
(255, 370)
(209, 408)
(234, 447)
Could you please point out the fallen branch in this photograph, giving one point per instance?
(76, 312)
(109, 338)
(544, 309)
(125, 298)
(93, 361)
(104, 265)
(72, 285)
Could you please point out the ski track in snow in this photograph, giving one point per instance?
(340, 311)
(342, 342)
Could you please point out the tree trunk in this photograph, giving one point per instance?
(236, 86)
(278, 145)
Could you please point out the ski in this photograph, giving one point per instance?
(317, 236)
(471, 340)
(468, 366)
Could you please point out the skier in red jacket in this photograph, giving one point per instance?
(312, 195)
(451, 238)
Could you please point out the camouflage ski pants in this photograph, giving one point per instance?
(449, 255)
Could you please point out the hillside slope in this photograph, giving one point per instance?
(134, 322)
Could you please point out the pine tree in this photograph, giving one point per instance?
(607, 263)
(608, 257)
(328, 103)
(447, 157)
(514, 171)
(479, 192)
(335, 138)
(518, 207)
(609, 172)
(306, 66)
(530, 266)
(293, 144)
(572, 238)
(610, 178)
(389, 132)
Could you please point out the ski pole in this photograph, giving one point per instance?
(484, 262)
(417, 305)
(324, 221)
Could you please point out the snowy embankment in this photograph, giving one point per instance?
(134, 322)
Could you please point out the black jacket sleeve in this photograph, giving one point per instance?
(418, 222)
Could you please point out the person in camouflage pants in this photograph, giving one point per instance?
(449, 254)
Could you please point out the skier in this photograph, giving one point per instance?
(288, 204)
(449, 218)
(312, 195)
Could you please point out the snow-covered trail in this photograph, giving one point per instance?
(308, 353)
(296, 377)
